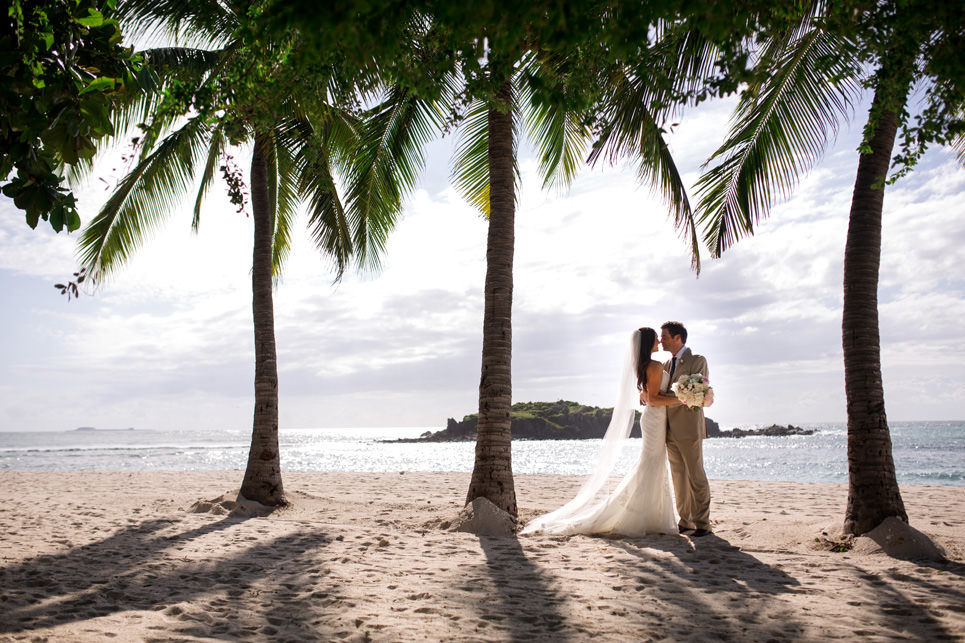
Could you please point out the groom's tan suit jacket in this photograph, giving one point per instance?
(684, 424)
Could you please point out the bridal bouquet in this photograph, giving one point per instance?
(693, 390)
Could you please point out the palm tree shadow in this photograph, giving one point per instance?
(525, 591)
(141, 568)
(900, 612)
(701, 572)
(713, 567)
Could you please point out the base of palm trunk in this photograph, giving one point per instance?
(267, 491)
(898, 539)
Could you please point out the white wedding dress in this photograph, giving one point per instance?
(641, 503)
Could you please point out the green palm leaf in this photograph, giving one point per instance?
(198, 68)
(310, 180)
(284, 201)
(959, 146)
(780, 129)
(677, 69)
(142, 200)
(631, 130)
(162, 65)
(386, 163)
(328, 223)
(206, 22)
(561, 136)
(216, 148)
(188, 64)
(471, 159)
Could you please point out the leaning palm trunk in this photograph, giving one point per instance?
(262, 480)
(873, 493)
(492, 475)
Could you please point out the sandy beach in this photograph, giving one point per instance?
(357, 556)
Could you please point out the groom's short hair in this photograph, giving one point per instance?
(675, 328)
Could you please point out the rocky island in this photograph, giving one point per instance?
(565, 420)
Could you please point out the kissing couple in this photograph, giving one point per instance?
(673, 428)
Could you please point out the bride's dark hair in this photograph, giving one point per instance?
(647, 337)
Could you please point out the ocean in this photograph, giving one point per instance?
(930, 453)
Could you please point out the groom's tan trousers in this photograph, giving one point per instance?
(685, 428)
(690, 482)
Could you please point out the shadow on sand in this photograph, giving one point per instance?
(274, 584)
(528, 602)
(710, 587)
(747, 591)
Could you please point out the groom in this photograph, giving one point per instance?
(685, 433)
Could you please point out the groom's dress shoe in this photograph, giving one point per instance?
(685, 530)
(700, 532)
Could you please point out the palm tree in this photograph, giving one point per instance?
(233, 95)
(485, 172)
(810, 79)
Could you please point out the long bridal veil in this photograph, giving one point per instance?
(594, 492)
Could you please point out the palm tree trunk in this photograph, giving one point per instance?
(262, 480)
(492, 475)
(873, 493)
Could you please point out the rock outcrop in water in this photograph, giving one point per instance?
(565, 420)
(772, 431)
(561, 420)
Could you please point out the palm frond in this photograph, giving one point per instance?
(203, 22)
(959, 146)
(309, 179)
(657, 167)
(148, 194)
(561, 136)
(183, 63)
(680, 65)
(780, 129)
(271, 177)
(631, 130)
(338, 131)
(137, 107)
(470, 172)
(285, 202)
(386, 164)
(328, 223)
(216, 147)
(471, 159)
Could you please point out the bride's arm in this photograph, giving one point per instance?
(654, 396)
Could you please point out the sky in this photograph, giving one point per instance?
(168, 343)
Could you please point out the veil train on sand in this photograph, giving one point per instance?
(594, 491)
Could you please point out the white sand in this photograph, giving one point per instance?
(93, 555)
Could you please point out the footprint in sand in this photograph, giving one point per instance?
(416, 597)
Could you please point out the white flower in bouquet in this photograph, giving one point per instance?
(693, 390)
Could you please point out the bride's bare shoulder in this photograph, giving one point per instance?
(654, 365)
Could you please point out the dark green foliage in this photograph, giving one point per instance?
(63, 67)
(930, 34)
(805, 86)
(551, 412)
(419, 43)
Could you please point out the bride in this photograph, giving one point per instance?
(642, 502)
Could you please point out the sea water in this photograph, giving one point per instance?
(924, 452)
